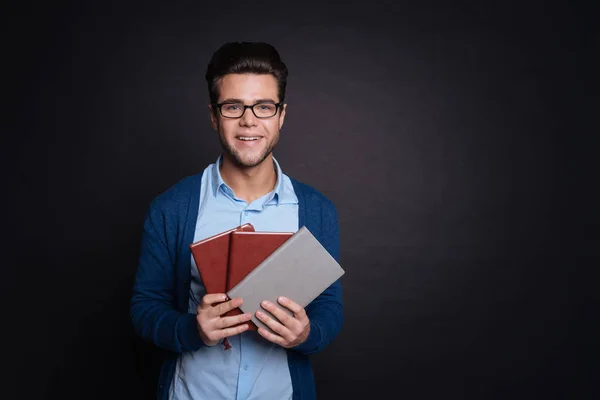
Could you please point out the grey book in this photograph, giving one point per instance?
(300, 269)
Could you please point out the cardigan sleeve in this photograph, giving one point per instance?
(326, 312)
(152, 312)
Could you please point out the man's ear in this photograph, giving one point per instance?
(282, 115)
(213, 117)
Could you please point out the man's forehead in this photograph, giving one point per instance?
(248, 86)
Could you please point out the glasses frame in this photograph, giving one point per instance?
(220, 106)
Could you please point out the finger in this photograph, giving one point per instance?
(271, 337)
(285, 318)
(294, 307)
(226, 322)
(275, 325)
(234, 330)
(209, 299)
(226, 306)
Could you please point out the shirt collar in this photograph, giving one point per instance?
(281, 194)
(217, 179)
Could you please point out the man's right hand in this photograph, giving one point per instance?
(212, 327)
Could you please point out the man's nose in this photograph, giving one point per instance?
(248, 117)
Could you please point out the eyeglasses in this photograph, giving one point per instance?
(236, 110)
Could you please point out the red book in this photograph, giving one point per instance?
(247, 249)
(211, 257)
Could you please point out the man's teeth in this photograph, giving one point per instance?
(248, 138)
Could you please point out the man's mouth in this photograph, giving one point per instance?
(248, 138)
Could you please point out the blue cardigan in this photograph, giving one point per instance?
(160, 297)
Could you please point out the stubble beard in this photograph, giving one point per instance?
(236, 157)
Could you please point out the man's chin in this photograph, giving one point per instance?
(246, 158)
(248, 162)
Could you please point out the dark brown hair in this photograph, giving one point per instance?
(244, 58)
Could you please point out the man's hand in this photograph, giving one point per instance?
(291, 330)
(211, 326)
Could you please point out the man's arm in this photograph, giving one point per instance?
(152, 313)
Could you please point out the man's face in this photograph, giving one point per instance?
(247, 141)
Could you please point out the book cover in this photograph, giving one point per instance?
(212, 257)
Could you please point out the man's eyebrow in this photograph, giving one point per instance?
(232, 100)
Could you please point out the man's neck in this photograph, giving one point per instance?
(249, 183)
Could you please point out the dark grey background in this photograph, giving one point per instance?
(442, 132)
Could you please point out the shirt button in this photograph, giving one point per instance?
(246, 367)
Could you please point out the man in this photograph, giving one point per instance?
(170, 306)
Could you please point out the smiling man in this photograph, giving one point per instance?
(170, 307)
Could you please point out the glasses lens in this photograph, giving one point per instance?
(232, 110)
(264, 110)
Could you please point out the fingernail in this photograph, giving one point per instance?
(282, 299)
(259, 314)
(266, 303)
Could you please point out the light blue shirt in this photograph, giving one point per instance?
(253, 368)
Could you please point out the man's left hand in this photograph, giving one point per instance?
(290, 330)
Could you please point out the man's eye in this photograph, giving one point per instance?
(265, 107)
(232, 107)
